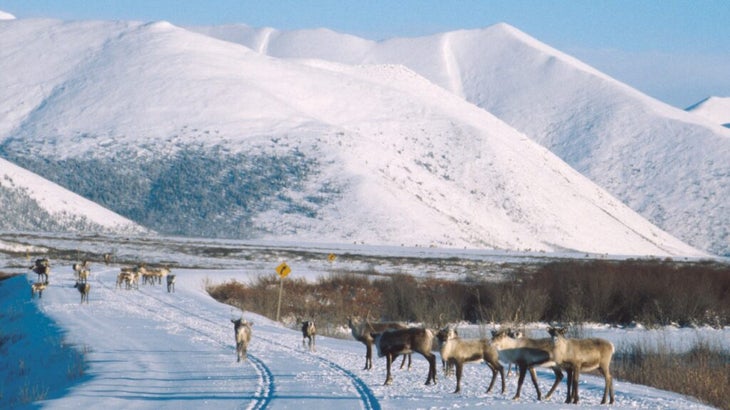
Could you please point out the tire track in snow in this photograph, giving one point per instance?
(367, 397)
(267, 386)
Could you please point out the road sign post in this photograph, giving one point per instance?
(282, 270)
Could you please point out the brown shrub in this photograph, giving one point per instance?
(703, 372)
(650, 292)
(654, 292)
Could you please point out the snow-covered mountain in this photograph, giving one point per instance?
(32, 203)
(670, 166)
(715, 109)
(192, 135)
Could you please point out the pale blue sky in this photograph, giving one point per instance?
(675, 50)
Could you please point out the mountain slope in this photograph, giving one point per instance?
(715, 109)
(668, 165)
(192, 135)
(31, 203)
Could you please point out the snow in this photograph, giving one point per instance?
(715, 109)
(411, 162)
(666, 164)
(158, 350)
(59, 201)
(4, 15)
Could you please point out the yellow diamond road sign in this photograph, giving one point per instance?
(283, 270)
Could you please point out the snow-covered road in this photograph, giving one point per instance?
(149, 349)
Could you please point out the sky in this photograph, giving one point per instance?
(675, 50)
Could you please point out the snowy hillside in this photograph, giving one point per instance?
(715, 109)
(192, 135)
(668, 165)
(32, 203)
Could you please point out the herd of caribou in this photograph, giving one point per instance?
(129, 277)
(392, 339)
(42, 267)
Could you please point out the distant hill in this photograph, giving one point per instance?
(32, 203)
(6, 16)
(668, 165)
(190, 135)
(715, 109)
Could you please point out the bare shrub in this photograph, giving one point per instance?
(330, 300)
(77, 363)
(652, 292)
(32, 393)
(702, 372)
(401, 297)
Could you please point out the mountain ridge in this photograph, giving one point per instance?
(667, 164)
(191, 135)
(715, 109)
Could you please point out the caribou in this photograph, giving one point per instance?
(578, 355)
(457, 351)
(242, 333)
(129, 277)
(309, 332)
(171, 283)
(83, 289)
(394, 342)
(363, 332)
(37, 287)
(527, 354)
(42, 267)
(158, 273)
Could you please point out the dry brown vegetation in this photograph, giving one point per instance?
(652, 293)
(702, 372)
